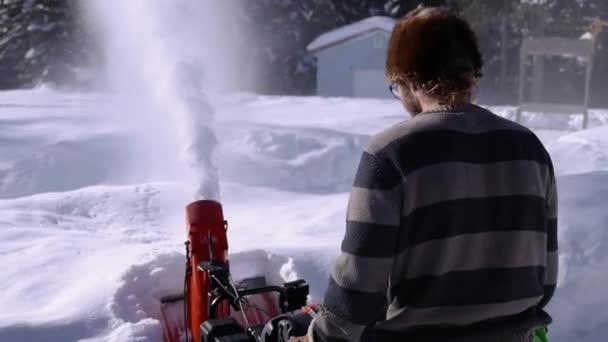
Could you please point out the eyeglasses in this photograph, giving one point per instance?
(394, 88)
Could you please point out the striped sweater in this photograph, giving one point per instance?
(451, 235)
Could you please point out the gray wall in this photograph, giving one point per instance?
(336, 64)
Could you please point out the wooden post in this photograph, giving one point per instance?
(504, 36)
(588, 76)
(522, 81)
(538, 65)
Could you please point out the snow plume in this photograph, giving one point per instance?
(165, 60)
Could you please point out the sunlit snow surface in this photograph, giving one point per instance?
(91, 211)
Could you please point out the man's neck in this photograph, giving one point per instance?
(429, 104)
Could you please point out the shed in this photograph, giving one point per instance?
(351, 59)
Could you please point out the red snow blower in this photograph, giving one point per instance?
(213, 308)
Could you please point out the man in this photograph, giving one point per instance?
(451, 224)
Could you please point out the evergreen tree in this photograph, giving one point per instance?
(39, 41)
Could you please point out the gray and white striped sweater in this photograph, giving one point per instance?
(451, 235)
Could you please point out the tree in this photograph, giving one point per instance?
(40, 40)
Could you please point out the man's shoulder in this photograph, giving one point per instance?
(379, 141)
(503, 123)
(470, 120)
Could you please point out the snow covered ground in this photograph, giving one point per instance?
(91, 224)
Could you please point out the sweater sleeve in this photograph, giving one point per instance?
(552, 266)
(356, 296)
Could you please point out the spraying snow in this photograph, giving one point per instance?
(158, 57)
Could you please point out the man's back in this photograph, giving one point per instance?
(453, 213)
(473, 245)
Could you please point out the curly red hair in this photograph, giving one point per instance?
(435, 51)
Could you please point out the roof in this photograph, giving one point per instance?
(354, 30)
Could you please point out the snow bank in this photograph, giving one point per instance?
(302, 159)
(347, 115)
(61, 254)
(64, 165)
(579, 305)
(53, 141)
(581, 152)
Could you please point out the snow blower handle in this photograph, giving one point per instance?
(210, 292)
(291, 321)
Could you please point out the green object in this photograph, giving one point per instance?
(540, 335)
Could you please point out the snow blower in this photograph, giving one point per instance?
(212, 307)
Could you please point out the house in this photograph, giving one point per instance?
(350, 59)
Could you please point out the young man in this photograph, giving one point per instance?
(451, 228)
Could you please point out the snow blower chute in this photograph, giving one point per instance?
(213, 308)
